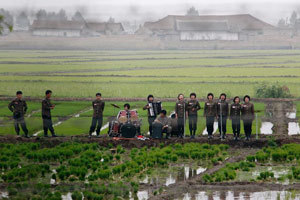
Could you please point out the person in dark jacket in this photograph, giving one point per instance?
(18, 107)
(98, 108)
(222, 114)
(247, 116)
(47, 106)
(180, 111)
(210, 113)
(192, 109)
(235, 116)
(152, 112)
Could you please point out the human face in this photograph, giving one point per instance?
(210, 97)
(237, 100)
(98, 97)
(193, 97)
(151, 99)
(19, 96)
(223, 97)
(49, 95)
(162, 115)
(180, 97)
(247, 100)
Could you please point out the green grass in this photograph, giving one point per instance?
(78, 125)
(162, 73)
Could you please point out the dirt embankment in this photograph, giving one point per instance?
(106, 141)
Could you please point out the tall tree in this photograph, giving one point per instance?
(78, 17)
(293, 18)
(22, 20)
(62, 15)
(41, 15)
(281, 23)
(192, 12)
(4, 24)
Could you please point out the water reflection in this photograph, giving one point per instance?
(266, 128)
(229, 195)
(293, 128)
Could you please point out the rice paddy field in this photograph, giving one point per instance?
(75, 167)
(139, 73)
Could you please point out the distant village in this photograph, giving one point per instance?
(190, 26)
(170, 31)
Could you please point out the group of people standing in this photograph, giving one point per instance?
(213, 110)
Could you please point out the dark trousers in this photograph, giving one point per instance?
(47, 125)
(180, 124)
(150, 121)
(20, 121)
(247, 127)
(193, 124)
(236, 126)
(224, 120)
(95, 121)
(210, 124)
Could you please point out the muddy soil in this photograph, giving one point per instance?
(106, 141)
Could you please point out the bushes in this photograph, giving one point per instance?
(273, 91)
(265, 175)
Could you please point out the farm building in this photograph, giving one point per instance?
(57, 28)
(206, 27)
(74, 28)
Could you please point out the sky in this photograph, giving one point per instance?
(150, 10)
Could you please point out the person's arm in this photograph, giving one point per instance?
(146, 107)
(25, 107)
(46, 105)
(205, 109)
(230, 112)
(176, 110)
(252, 111)
(103, 105)
(10, 106)
(227, 109)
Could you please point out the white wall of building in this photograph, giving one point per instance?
(208, 35)
(59, 33)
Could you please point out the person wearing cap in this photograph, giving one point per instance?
(19, 107)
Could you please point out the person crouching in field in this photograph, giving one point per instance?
(164, 121)
(247, 116)
(180, 111)
(19, 107)
(210, 112)
(222, 114)
(98, 108)
(47, 106)
(235, 116)
(192, 110)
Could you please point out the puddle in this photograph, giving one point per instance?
(291, 115)
(293, 128)
(68, 196)
(277, 173)
(142, 195)
(170, 180)
(3, 195)
(215, 129)
(266, 128)
(228, 195)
